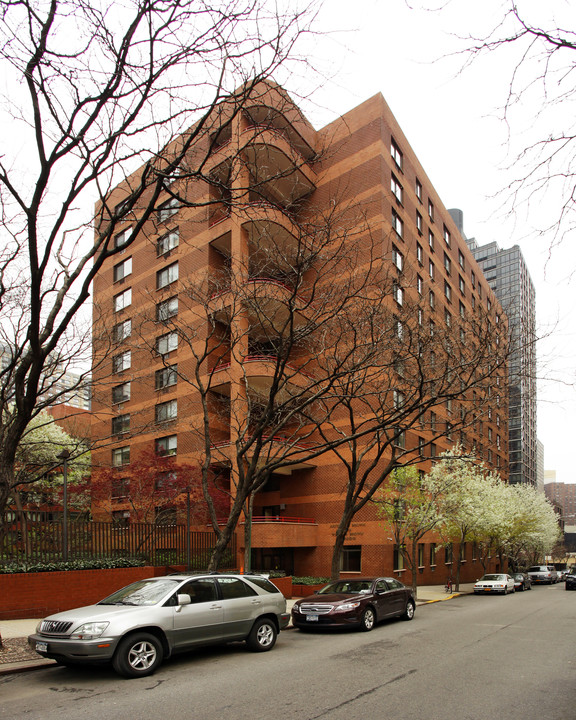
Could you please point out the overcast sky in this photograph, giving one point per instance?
(453, 121)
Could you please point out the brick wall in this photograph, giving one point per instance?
(35, 595)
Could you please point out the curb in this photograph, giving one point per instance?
(25, 666)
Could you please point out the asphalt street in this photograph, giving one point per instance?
(469, 658)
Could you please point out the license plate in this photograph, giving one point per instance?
(487, 589)
(311, 618)
(41, 647)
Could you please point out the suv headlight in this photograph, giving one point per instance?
(89, 631)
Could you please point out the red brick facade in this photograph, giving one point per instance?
(364, 159)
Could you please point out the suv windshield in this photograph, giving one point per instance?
(144, 592)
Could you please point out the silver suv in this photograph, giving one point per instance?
(543, 574)
(149, 620)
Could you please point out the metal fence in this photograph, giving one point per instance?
(42, 542)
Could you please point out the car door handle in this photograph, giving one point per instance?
(215, 607)
(256, 602)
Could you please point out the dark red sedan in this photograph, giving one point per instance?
(361, 602)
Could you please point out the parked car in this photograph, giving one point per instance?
(561, 572)
(570, 580)
(139, 626)
(543, 574)
(499, 583)
(522, 581)
(361, 603)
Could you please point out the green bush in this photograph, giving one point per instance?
(307, 580)
(100, 564)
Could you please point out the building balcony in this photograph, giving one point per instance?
(277, 447)
(259, 371)
(279, 172)
(280, 531)
(271, 307)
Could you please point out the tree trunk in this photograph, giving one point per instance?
(339, 540)
(248, 533)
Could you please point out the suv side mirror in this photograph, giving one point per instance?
(184, 599)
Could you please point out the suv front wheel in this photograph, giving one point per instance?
(262, 636)
(138, 655)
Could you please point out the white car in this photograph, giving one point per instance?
(499, 583)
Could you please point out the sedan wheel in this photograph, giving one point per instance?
(138, 655)
(409, 612)
(367, 620)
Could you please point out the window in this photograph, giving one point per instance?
(122, 238)
(396, 154)
(166, 343)
(398, 399)
(123, 300)
(166, 309)
(420, 554)
(398, 557)
(432, 421)
(431, 269)
(419, 223)
(461, 309)
(123, 269)
(447, 264)
(418, 189)
(167, 242)
(420, 316)
(447, 318)
(398, 294)
(420, 445)
(419, 284)
(397, 258)
(166, 377)
(167, 275)
(351, 560)
(430, 210)
(233, 588)
(165, 515)
(399, 329)
(461, 259)
(165, 479)
(121, 393)
(397, 224)
(431, 240)
(397, 189)
(121, 456)
(168, 208)
(120, 424)
(121, 362)
(461, 285)
(419, 253)
(166, 445)
(120, 488)
(448, 554)
(447, 237)
(166, 411)
(447, 291)
(432, 299)
(432, 553)
(122, 330)
(473, 279)
(121, 518)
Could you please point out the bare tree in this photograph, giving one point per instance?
(95, 91)
(428, 382)
(537, 47)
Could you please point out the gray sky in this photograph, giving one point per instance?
(453, 121)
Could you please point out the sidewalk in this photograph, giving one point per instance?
(18, 657)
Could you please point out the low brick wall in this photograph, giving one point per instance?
(305, 590)
(284, 585)
(35, 595)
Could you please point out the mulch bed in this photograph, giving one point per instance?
(16, 650)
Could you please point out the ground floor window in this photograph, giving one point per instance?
(351, 560)
(432, 554)
(448, 553)
(420, 554)
(398, 557)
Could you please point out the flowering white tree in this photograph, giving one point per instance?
(534, 529)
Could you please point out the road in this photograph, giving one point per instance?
(469, 658)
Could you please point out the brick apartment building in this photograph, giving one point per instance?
(193, 317)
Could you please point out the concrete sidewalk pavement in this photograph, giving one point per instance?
(12, 629)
